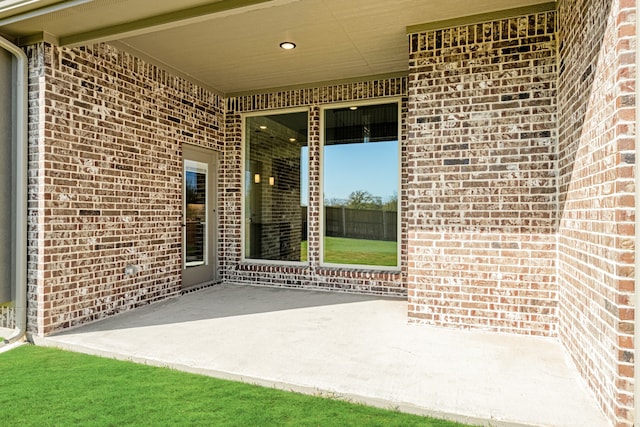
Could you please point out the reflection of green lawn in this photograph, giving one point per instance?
(338, 250)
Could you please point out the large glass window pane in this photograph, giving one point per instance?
(275, 217)
(360, 185)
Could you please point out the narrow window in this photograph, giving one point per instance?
(195, 175)
(276, 178)
(360, 185)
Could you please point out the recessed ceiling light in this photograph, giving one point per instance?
(353, 108)
(292, 140)
(287, 45)
(263, 127)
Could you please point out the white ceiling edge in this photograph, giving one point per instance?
(165, 22)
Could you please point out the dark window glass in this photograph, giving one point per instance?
(275, 187)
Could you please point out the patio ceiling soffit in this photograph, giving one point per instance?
(109, 33)
(355, 52)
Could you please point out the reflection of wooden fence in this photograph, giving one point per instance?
(358, 223)
(361, 224)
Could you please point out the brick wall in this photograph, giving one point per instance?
(596, 100)
(517, 183)
(482, 188)
(105, 138)
(313, 275)
(105, 181)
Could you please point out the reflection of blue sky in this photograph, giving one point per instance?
(191, 178)
(195, 186)
(371, 167)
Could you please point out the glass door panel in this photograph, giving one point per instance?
(195, 213)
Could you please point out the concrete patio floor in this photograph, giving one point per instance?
(350, 346)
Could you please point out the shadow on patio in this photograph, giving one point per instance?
(351, 346)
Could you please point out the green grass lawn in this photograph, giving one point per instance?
(339, 250)
(48, 387)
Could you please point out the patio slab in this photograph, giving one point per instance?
(350, 346)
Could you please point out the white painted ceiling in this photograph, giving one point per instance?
(231, 46)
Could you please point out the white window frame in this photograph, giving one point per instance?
(243, 189)
(332, 106)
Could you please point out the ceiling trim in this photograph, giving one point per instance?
(165, 21)
(38, 38)
(312, 85)
(8, 5)
(34, 13)
(9, 37)
(483, 17)
(174, 71)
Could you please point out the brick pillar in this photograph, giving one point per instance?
(481, 183)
